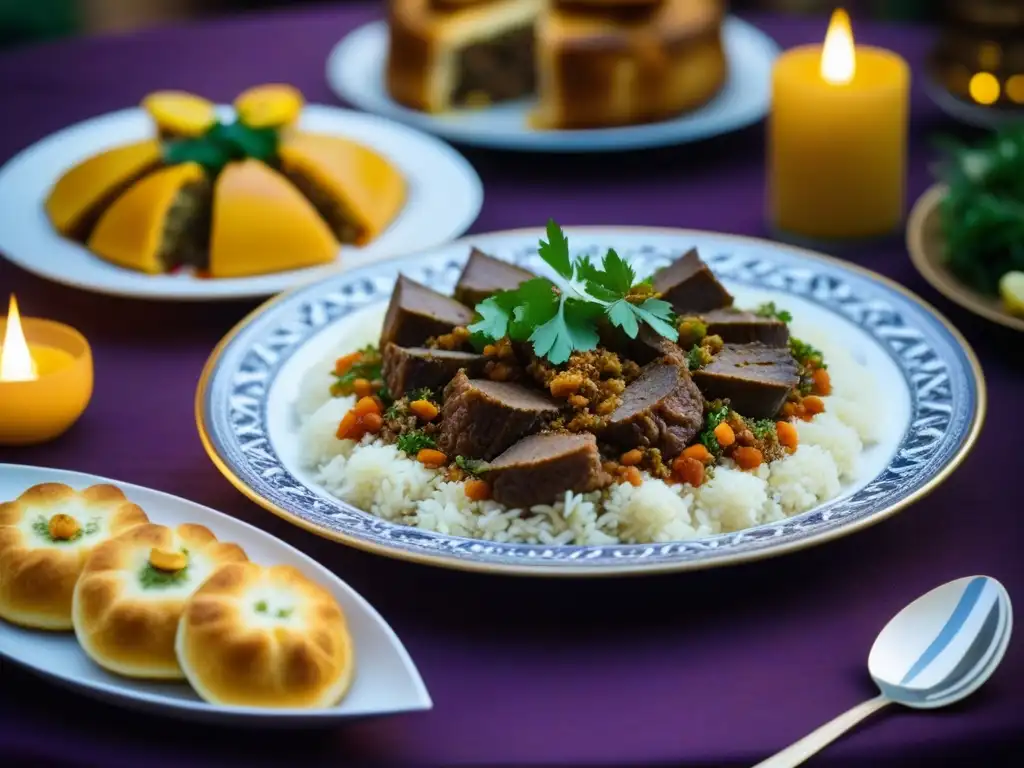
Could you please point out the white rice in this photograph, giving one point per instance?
(386, 482)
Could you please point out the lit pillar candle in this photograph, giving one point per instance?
(837, 138)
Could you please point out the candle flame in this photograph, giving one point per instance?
(838, 58)
(16, 363)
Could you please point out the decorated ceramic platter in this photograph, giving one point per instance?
(75, 640)
(356, 67)
(599, 428)
(181, 199)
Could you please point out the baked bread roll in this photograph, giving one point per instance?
(133, 590)
(265, 637)
(46, 536)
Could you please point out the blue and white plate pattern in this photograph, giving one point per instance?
(355, 72)
(928, 373)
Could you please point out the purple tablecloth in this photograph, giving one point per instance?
(719, 668)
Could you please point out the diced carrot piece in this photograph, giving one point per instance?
(787, 435)
(699, 452)
(430, 458)
(344, 363)
(366, 405)
(813, 405)
(424, 409)
(631, 458)
(362, 388)
(372, 422)
(349, 428)
(477, 490)
(822, 382)
(689, 470)
(725, 435)
(747, 458)
(633, 477)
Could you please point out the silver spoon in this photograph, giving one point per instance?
(936, 651)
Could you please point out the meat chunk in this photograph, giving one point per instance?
(485, 275)
(481, 418)
(416, 313)
(661, 409)
(410, 368)
(649, 346)
(689, 285)
(756, 379)
(541, 468)
(740, 327)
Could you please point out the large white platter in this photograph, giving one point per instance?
(444, 199)
(386, 680)
(355, 72)
(933, 391)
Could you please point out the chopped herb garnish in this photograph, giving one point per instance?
(698, 357)
(716, 414)
(763, 429)
(154, 578)
(560, 320)
(472, 466)
(284, 613)
(805, 354)
(422, 394)
(41, 527)
(770, 310)
(366, 366)
(261, 606)
(415, 441)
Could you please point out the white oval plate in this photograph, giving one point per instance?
(386, 680)
(445, 195)
(934, 396)
(355, 72)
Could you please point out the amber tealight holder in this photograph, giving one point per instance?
(36, 410)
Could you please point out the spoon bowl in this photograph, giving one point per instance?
(938, 650)
(944, 645)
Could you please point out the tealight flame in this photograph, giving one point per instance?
(838, 58)
(16, 363)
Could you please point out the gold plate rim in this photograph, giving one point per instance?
(925, 264)
(977, 421)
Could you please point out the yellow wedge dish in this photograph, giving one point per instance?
(262, 223)
(84, 192)
(355, 189)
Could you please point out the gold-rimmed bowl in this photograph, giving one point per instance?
(927, 245)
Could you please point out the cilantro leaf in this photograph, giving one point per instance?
(537, 302)
(658, 314)
(494, 319)
(415, 441)
(593, 280)
(618, 275)
(555, 251)
(621, 315)
(571, 329)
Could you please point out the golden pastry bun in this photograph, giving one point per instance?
(133, 590)
(46, 536)
(265, 637)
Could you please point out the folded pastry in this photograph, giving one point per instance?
(357, 191)
(84, 192)
(133, 591)
(265, 637)
(160, 223)
(262, 223)
(46, 536)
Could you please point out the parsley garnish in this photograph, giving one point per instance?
(770, 310)
(415, 441)
(762, 428)
(560, 320)
(717, 413)
(805, 354)
(422, 394)
(153, 578)
(41, 527)
(472, 466)
(368, 367)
